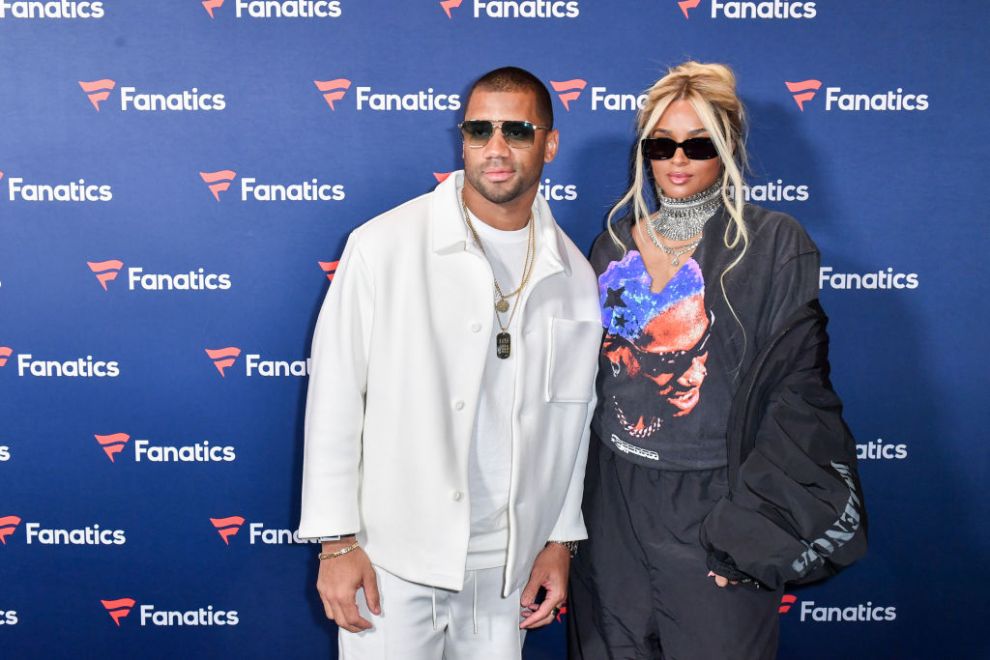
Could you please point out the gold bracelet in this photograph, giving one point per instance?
(338, 553)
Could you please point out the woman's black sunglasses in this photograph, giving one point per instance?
(662, 148)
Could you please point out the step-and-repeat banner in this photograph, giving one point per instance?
(177, 180)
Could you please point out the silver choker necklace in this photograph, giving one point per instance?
(681, 219)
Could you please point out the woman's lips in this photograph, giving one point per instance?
(679, 179)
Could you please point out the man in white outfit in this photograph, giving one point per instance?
(451, 389)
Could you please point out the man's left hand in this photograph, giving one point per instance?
(550, 572)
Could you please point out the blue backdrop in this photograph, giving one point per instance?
(179, 177)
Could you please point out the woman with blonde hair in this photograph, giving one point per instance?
(720, 468)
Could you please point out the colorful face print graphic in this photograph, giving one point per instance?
(655, 343)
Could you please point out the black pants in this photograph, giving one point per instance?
(640, 585)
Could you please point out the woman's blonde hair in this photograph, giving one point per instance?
(711, 91)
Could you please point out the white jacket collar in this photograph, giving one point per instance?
(451, 235)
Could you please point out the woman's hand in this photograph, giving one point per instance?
(721, 581)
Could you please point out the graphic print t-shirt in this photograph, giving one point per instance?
(671, 360)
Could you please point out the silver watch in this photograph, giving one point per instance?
(572, 546)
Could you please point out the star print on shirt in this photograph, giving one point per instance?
(614, 298)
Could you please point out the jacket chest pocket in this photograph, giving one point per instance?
(573, 360)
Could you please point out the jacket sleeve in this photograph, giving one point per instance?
(795, 282)
(335, 401)
(570, 523)
(795, 511)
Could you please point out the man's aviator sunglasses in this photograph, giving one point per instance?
(517, 134)
(662, 148)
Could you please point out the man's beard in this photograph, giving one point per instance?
(493, 194)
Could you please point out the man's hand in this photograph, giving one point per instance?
(550, 572)
(338, 582)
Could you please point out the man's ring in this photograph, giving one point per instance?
(554, 612)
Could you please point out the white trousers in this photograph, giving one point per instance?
(427, 623)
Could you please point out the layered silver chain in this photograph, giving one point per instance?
(682, 219)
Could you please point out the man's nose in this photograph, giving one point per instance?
(497, 147)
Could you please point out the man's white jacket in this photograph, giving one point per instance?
(397, 361)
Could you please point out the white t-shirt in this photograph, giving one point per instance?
(490, 457)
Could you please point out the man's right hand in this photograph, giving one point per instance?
(338, 582)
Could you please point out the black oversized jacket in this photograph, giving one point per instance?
(795, 512)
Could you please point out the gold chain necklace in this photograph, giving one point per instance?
(503, 340)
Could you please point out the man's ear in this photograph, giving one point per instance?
(553, 141)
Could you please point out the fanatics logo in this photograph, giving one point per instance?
(187, 100)
(89, 535)
(307, 191)
(873, 450)
(146, 452)
(367, 98)
(755, 9)
(210, 5)
(105, 271)
(98, 91)
(218, 181)
(223, 357)
(8, 525)
(151, 616)
(861, 613)
(227, 527)
(785, 603)
(333, 90)
(513, 9)
(74, 191)
(329, 267)
(892, 100)
(601, 98)
(279, 8)
(258, 533)
(568, 90)
(52, 9)
(251, 190)
(687, 5)
(803, 90)
(85, 367)
(119, 608)
(884, 279)
(558, 192)
(450, 4)
(138, 279)
(112, 444)
(256, 365)
(773, 191)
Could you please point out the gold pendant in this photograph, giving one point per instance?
(502, 306)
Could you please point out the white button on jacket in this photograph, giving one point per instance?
(394, 385)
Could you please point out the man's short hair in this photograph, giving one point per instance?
(514, 79)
